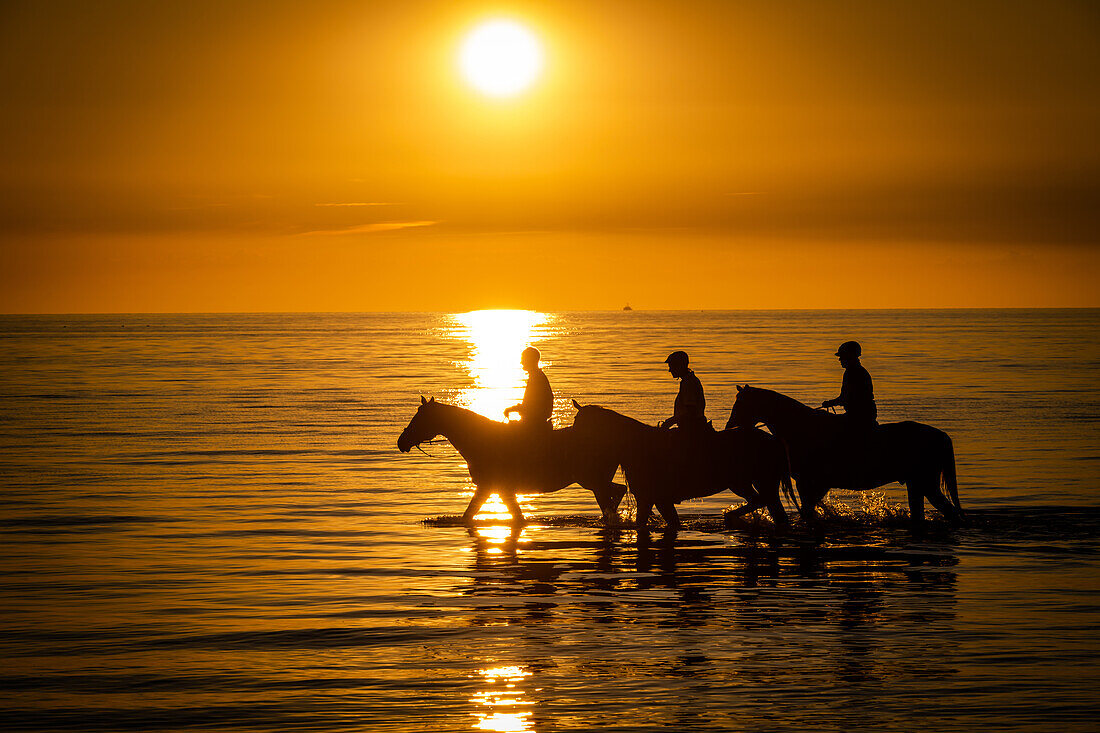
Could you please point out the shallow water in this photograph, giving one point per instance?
(208, 526)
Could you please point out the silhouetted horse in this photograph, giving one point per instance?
(507, 459)
(665, 467)
(824, 455)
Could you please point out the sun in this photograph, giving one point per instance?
(500, 58)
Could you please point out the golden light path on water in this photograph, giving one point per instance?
(496, 339)
(502, 701)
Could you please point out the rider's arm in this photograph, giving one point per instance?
(845, 390)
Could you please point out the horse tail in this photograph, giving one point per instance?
(785, 475)
(950, 480)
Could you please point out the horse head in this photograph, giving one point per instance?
(423, 427)
(746, 411)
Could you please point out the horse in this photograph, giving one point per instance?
(664, 467)
(507, 459)
(824, 454)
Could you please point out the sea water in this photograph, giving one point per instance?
(207, 525)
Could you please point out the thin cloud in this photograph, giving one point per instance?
(380, 226)
(363, 203)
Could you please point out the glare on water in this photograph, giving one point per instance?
(501, 703)
(496, 338)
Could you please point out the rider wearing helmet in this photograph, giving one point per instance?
(538, 398)
(857, 394)
(687, 411)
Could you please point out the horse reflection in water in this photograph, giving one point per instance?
(677, 606)
(824, 454)
(507, 459)
(664, 467)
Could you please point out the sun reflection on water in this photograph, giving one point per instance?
(496, 338)
(501, 539)
(502, 701)
(494, 510)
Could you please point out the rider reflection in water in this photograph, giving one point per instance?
(857, 393)
(538, 399)
(688, 410)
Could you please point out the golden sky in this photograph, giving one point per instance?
(272, 156)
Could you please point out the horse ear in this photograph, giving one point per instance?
(739, 388)
(422, 400)
(746, 387)
(432, 399)
(576, 404)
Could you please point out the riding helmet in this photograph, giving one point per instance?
(677, 358)
(849, 349)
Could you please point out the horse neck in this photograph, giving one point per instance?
(787, 417)
(622, 432)
(464, 428)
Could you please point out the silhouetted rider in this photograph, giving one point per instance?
(538, 398)
(687, 411)
(857, 393)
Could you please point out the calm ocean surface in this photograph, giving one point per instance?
(207, 525)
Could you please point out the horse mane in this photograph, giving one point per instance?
(783, 400)
(619, 416)
(466, 412)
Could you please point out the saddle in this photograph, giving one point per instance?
(691, 457)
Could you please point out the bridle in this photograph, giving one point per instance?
(429, 442)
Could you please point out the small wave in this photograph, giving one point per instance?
(330, 638)
(61, 521)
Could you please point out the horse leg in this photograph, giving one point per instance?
(741, 511)
(916, 502)
(751, 497)
(770, 496)
(618, 491)
(509, 499)
(645, 509)
(609, 497)
(668, 511)
(810, 495)
(480, 497)
(938, 500)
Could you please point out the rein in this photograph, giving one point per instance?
(429, 442)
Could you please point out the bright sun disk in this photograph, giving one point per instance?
(500, 58)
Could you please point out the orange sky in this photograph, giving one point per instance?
(204, 156)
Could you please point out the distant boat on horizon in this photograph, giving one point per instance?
(627, 307)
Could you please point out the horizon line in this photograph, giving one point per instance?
(537, 310)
